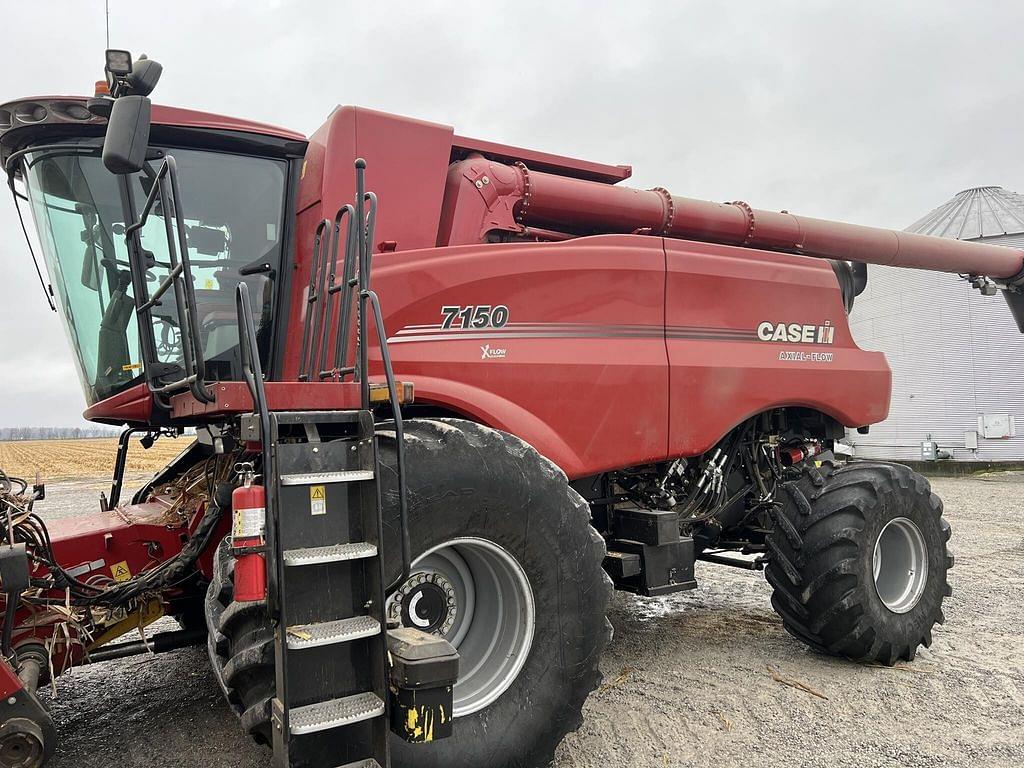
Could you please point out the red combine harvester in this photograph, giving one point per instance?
(401, 519)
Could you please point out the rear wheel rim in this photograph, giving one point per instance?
(900, 565)
(490, 614)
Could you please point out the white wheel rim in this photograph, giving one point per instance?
(494, 616)
(900, 565)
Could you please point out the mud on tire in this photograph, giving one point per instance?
(822, 565)
(466, 480)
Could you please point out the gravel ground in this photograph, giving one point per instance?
(688, 678)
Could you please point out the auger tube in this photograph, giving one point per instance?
(565, 204)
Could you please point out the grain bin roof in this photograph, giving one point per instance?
(973, 213)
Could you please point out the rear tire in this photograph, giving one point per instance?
(468, 484)
(858, 561)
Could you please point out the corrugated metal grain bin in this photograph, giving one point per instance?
(957, 357)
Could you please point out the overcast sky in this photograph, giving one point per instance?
(872, 112)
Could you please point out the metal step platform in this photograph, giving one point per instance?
(332, 553)
(335, 713)
(325, 633)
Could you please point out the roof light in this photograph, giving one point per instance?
(119, 62)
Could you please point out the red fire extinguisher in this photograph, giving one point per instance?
(248, 505)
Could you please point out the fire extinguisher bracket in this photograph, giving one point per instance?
(258, 549)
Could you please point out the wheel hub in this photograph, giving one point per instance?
(900, 565)
(426, 601)
(21, 744)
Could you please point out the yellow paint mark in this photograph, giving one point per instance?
(411, 719)
(120, 571)
(303, 174)
(419, 723)
(428, 717)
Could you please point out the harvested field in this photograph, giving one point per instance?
(57, 459)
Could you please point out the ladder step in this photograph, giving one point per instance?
(367, 763)
(322, 478)
(341, 631)
(335, 713)
(330, 554)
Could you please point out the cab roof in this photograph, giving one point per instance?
(67, 111)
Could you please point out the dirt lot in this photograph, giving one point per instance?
(687, 680)
(54, 459)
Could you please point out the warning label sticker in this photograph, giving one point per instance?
(317, 500)
(120, 571)
(248, 522)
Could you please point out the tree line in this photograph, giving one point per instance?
(56, 433)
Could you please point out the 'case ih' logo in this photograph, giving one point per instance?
(795, 333)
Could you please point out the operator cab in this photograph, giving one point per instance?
(236, 186)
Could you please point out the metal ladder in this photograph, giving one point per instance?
(324, 524)
(329, 597)
(325, 589)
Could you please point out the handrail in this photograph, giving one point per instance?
(121, 459)
(154, 193)
(364, 246)
(360, 223)
(312, 297)
(339, 365)
(167, 282)
(253, 372)
(165, 188)
(354, 258)
(199, 362)
(345, 213)
(396, 411)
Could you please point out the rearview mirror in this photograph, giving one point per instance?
(124, 148)
(90, 265)
(90, 270)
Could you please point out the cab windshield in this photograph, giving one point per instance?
(233, 208)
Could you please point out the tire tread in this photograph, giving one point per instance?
(815, 580)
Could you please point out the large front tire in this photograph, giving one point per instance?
(491, 505)
(858, 561)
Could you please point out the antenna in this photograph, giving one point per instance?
(106, 4)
